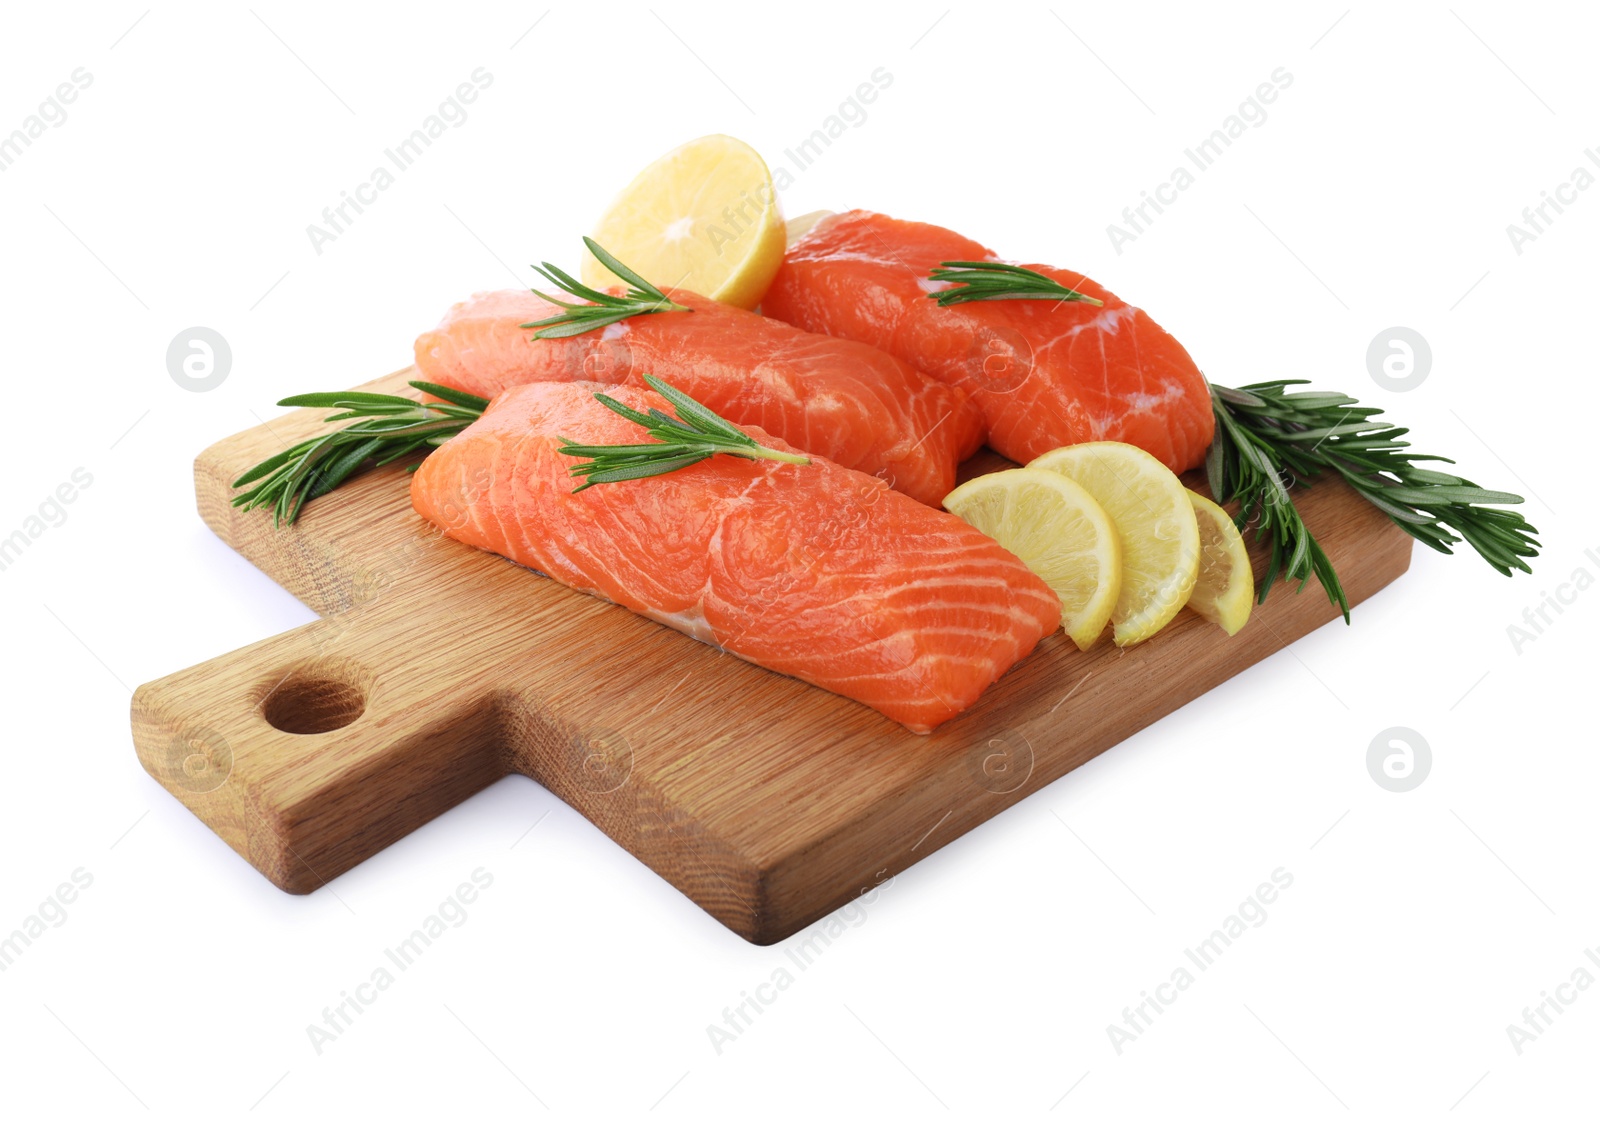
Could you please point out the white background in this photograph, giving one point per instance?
(1378, 192)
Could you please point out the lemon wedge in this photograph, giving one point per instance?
(1059, 531)
(1159, 533)
(1225, 588)
(705, 217)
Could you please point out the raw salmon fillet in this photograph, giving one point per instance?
(815, 570)
(1045, 373)
(849, 402)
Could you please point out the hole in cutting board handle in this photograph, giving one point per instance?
(308, 702)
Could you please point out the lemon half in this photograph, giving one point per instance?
(1059, 531)
(1225, 588)
(705, 217)
(1159, 533)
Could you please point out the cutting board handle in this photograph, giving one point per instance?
(349, 744)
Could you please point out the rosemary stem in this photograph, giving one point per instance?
(773, 453)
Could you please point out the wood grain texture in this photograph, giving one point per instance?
(765, 800)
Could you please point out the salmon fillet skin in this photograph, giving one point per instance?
(1045, 373)
(844, 400)
(813, 570)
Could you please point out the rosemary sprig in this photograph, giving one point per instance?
(694, 434)
(397, 426)
(992, 280)
(603, 309)
(394, 427)
(1268, 440)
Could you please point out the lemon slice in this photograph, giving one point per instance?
(1157, 526)
(704, 217)
(1225, 588)
(797, 228)
(1057, 530)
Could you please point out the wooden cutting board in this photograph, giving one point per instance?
(438, 669)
